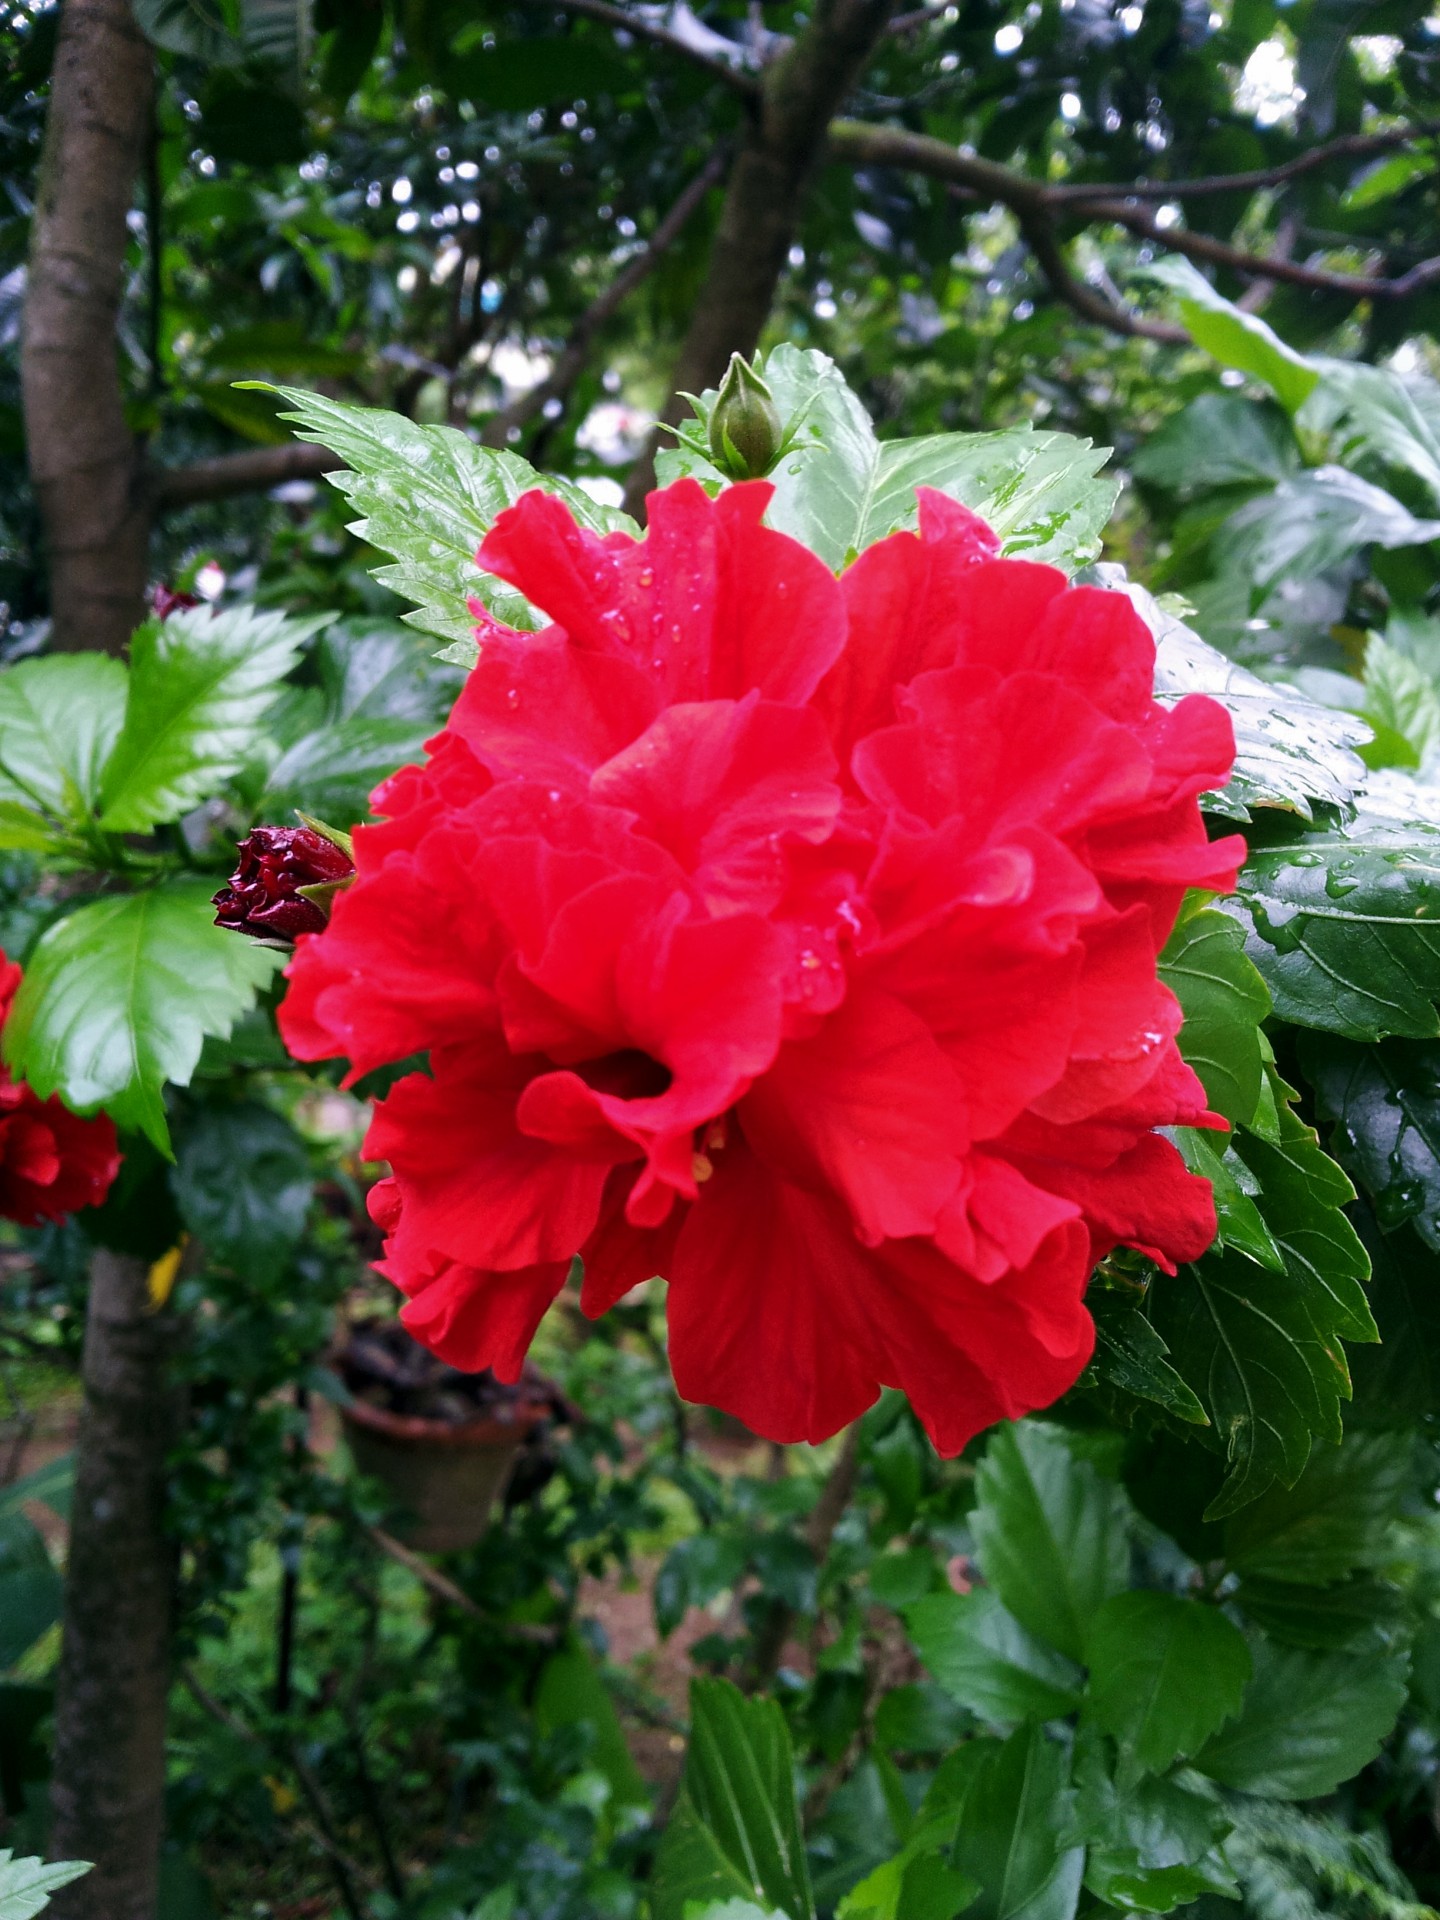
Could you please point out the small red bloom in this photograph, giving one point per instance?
(52, 1161)
(794, 938)
(166, 600)
(263, 895)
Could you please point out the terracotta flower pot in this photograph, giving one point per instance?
(447, 1478)
(445, 1443)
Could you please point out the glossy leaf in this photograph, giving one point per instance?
(118, 998)
(1152, 1845)
(1130, 1355)
(1219, 440)
(981, 1656)
(1051, 1534)
(1352, 1616)
(1344, 926)
(915, 1884)
(1289, 750)
(31, 1591)
(200, 683)
(332, 771)
(429, 495)
(1402, 703)
(1165, 1674)
(60, 717)
(1315, 521)
(1224, 1001)
(1383, 1103)
(1334, 1519)
(243, 1185)
(26, 1885)
(842, 488)
(1239, 1221)
(1008, 1837)
(1236, 338)
(1310, 1720)
(735, 1832)
(1263, 1350)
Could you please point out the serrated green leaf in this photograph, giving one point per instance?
(1010, 1823)
(1334, 1519)
(1219, 440)
(735, 1832)
(1051, 1533)
(200, 683)
(1239, 1221)
(1165, 1674)
(1261, 1349)
(118, 998)
(60, 717)
(243, 1185)
(1289, 750)
(842, 489)
(26, 1885)
(1303, 1199)
(1236, 338)
(1310, 1721)
(1130, 1355)
(1152, 1845)
(428, 495)
(1224, 1001)
(1344, 926)
(981, 1656)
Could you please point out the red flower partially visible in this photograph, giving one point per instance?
(792, 938)
(52, 1161)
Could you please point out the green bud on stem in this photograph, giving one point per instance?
(745, 434)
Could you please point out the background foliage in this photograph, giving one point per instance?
(1171, 1646)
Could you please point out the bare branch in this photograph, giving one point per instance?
(1089, 302)
(255, 470)
(1259, 266)
(571, 362)
(860, 144)
(865, 145)
(1354, 146)
(626, 22)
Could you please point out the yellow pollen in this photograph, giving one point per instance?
(701, 1168)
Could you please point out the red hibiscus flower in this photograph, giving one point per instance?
(51, 1160)
(792, 938)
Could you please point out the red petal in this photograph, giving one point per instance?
(475, 1188)
(869, 1109)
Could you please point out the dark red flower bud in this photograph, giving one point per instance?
(166, 600)
(283, 884)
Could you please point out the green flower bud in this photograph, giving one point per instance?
(745, 436)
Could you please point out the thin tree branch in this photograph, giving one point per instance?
(860, 144)
(570, 363)
(1354, 146)
(1089, 302)
(255, 470)
(625, 22)
(1259, 266)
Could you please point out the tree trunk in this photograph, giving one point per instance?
(108, 1786)
(83, 457)
(764, 200)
